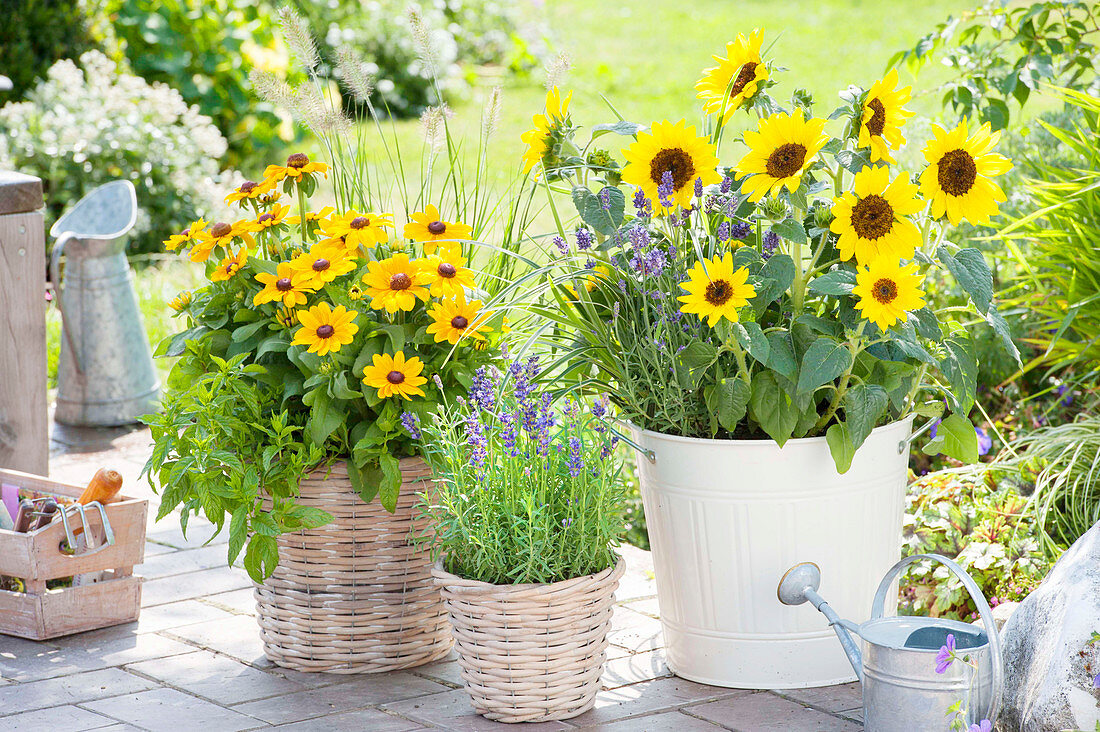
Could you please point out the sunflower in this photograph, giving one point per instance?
(887, 290)
(324, 262)
(715, 290)
(229, 266)
(249, 191)
(358, 229)
(871, 219)
(188, 235)
(394, 376)
(218, 235)
(325, 329)
(455, 319)
(779, 153)
(429, 228)
(395, 283)
(273, 217)
(958, 178)
(447, 275)
(537, 139)
(287, 286)
(736, 78)
(883, 116)
(674, 148)
(296, 166)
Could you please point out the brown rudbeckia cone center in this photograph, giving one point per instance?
(872, 217)
(885, 290)
(359, 222)
(400, 281)
(446, 269)
(265, 218)
(297, 160)
(718, 292)
(437, 227)
(320, 265)
(877, 123)
(675, 161)
(744, 76)
(220, 229)
(231, 268)
(395, 377)
(458, 322)
(325, 331)
(185, 232)
(957, 172)
(248, 186)
(786, 160)
(283, 284)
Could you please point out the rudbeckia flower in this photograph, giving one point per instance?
(221, 235)
(325, 329)
(447, 275)
(229, 266)
(296, 166)
(287, 285)
(395, 283)
(395, 376)
(456, 319)
(324, 262)
(273, 217)
(188, 235)
(428, 227)
(249, 191)
(358, 229)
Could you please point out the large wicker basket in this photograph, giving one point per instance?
(531, 653)
(354, 596)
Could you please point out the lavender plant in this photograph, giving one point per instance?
(528, 490)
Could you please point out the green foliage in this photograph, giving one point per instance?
(525, 493)
(225, 448)
(35, 34)
(1001, 53)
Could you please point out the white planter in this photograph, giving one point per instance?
(728, 517)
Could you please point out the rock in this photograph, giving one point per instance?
(1003, 612)
(1049, 659)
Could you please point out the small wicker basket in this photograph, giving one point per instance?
(531, 653)
(354, 596)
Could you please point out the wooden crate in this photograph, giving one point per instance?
(36, 557)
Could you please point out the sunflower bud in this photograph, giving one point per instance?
(775, 209)
(823, 216)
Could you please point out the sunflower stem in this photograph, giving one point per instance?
(798, 286)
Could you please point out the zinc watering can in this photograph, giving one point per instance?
(902, 691)
(105, 374)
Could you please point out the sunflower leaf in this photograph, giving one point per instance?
(772, 408)
(619, 128)
(1000, 327)
(960, 368)
(604, 219)
(863, 405)
(841, 447)
(838, 282)
(790, 230)
(969, 267)
(854, 160)
(781, 355)
(752, 339)
(778, 274)
(955, 438)
(692, 363)
(825, 360)
(729, 399)
(927, 324)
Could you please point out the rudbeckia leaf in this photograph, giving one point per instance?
(955, 438)
(824, 361)
(772, 408)
(838, 282)
(863, 405)
(324, 417)
(391, 481)
(968, 266)
(729, 399)
(841, 447)
(791, 230)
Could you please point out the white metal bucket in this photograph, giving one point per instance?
(726, 517)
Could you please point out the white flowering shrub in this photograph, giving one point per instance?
(87, 124)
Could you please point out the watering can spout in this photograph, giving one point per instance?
(799, 585)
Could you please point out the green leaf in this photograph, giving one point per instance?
(238, 533)
(772, 408)
(693, 362)
(791, 230)
(968, 266)
(1004, 332)
(619, 128)
(864, 404)
(960, 368)
(956, 438)
(838, 282)
(592, 211)
(247, 331)
(841, 447)
(777, 275)
(824, 361)
(729, 399)
(390, 486)
(261, 557)
(930, 409)
(365, 480)
(752, 339)
(781, 354)
(324, 417)
(854, 160)
(927, 324)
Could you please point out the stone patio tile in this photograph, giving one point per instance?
(660, 695)
(355, 694)
(96, 652)
(361, 720)
(168, 531)
(648, 606)
(839, 698)
(634, 668)
(242, 601)
(152, 549)
(237, 636)
(184, 560)
(168, 710)
(451, 710)
(446, 671)
(666, 722)
(634, 631)
(763, 712)
(177, 614)
(215, 677)
(195, 584)
(58, 719)
(70, 690)
(638, 580)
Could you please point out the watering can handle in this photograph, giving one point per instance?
(979, 600)
(55, 277)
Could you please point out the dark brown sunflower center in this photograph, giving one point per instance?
(786, 160)
(283, 284)
(459, 323)
(957, 172)
(718, 292)
(437, 227)
(872, 217)
(744, 76)
(675, 161)
(877, 123)
(248, 186)
(220, 229)
(266, 218)
(395, 377)
(320, 265)
(325, 331)
(446, 269)
(359, 222)
(400, 281)
(297, 160)
(885, 290)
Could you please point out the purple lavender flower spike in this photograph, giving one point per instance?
(666, 189)
(723, 231)
(698, 187)
(605, 199)
(727, 184)
(770, 244)
(584, 239)
(475, 438)
(560, 243)
(411, 423)
(740, 230)
(510, 432)
(576, 462)
(642, 205)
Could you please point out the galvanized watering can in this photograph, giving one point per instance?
(105, 375)
(902, 691)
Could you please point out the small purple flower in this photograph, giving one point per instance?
(723, 232)
(985, 442)
(769, 245)
(615, 311)
(584, 239)
(946, 654)
(642, 205)
(740, 230)
(639, 237)
(1061, 390)
(698, 187)
(609, 447)
(666, 189)
(475, 438)
(510, 432)
(566, 523)
(576, 462)
(605, 199)
(411, 423)
(727, 184)
(483, 390)
(1096, 682)
(935, 428)
(560, 244)
(984, 726)
(599, 408)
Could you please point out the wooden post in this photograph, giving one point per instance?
(24, 437)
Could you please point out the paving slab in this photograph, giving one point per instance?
(634, 668)
(215, 677)
(187, 560)
(197, 584)
(665, 722)
(839, 698)
(660, 695)
(65, 718)
(236, 636)
(764, 712)
(176, 615)
(72, 689)
(242, 601)
(47, 661)
(168, 710)
(451, 710)
(361, 720)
